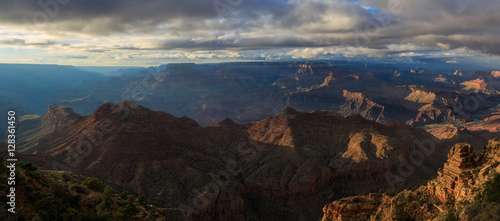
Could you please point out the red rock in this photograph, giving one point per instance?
(283, 167)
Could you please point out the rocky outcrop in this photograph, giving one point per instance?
(456, 188)
(419, 70)
(495, 74)
(477, 84)
(457, 171)
(459, 73)
(357, 103)
(353, 208)
(32, 128)
(436, 116)
(58, 115)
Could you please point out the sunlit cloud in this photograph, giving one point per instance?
(144, 32)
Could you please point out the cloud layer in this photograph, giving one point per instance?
(251, 28)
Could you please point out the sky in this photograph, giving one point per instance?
(151, 32)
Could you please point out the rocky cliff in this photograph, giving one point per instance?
(459, 192)
(32, 128)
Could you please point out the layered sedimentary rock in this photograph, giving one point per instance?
(457, 170)
(32, 128)
(456, 188)
(360, 104)
(252, 91)
(58, 115)
(355, 208)
(284, 167)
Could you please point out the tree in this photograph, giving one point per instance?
(28, 166)
(67, 177)
(451, 215)
(492, 189)
(50, 208)
(141, 200)
(401, 214)
(125, 194)
(71, 214)
(126, 211)
(94, 184)
(105, 207)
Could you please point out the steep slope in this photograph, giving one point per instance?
(452, 134)
(466, 188)
(360, 104)
(31, 128)
(284, 167)
(487, 82)
(52, 195)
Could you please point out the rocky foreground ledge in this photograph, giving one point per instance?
(462, 190)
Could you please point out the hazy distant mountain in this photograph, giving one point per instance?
(33, 87)
(110, 70)
(252, 91)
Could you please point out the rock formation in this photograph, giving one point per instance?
(457, 171)
(284, 167)
(32, 128)
(456, 191)
(252, 91)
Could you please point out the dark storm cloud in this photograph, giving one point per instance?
(16, 41)
(239, 43)
(112, 16)
(448, 24)
(102, 17)
(261, 24)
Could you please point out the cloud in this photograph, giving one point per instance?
(446, 24)
(18, 41)
(75, 56)
(254, 29)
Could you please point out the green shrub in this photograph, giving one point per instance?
(451, 215)
(495, 164)
(71, 214)
(125, 194)
(489, 211)
(79, 188)
(390, 192)
(465, 202)
(50, 208)
(105, 207)
(126, 211)
(141, 200)
(67, 177)
(450, 201)
(94, 184)
(401, 214)
(409, 198)
(54, 175)
(492, 190)
(28, 166)
(61, 192)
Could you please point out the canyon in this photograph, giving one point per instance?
(276, 140)
(283, 167)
